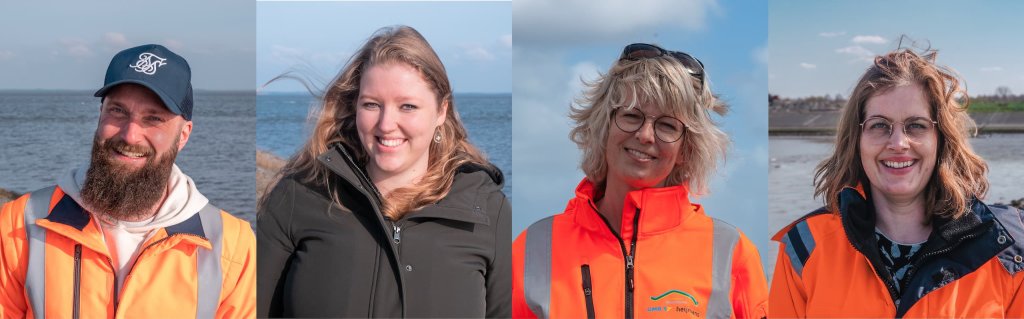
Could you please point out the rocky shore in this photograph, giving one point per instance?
(267, 166)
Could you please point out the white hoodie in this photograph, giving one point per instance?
(123, 238)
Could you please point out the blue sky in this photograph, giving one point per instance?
(473, 39)
(558, 42)
(823, 47)
(68, 44)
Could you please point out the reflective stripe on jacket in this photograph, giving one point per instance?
(54, 264)
(829, 266)
(681, 264)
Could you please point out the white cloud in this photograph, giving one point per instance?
(478, 53)
(858, 52)
(506, 40)
(6, 55)
(991, 69)
(115, 39)
(831, 34)
(285, 53)
(868, 39)
(806, 65)
(570, 22)
(76, 47)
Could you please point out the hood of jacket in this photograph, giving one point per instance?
(183, 200)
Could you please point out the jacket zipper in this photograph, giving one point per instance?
(376, 202)
(920, 260)
(78, 281)
(629, 256)
(588, 292)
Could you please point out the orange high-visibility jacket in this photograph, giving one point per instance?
(829, 266)
(54, 264)
(671, 260)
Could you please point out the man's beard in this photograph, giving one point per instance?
(124, 193)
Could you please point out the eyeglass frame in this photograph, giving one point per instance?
(644, 121)
(678, 55)
(893, 123)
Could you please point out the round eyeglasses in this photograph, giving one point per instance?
(630, 119)
(879, 129)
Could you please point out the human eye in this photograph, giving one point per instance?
(409, 107)
(669, 125)
(879, 124)
(370, 105)
(918, 126)
(631, 116)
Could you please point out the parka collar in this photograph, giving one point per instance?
(466, 202)
(858, 216)
(661, 209)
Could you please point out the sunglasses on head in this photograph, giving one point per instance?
(637, 51)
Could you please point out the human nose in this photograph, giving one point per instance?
(387, 120)
(646, 132)
(132, 132)
(898, 139)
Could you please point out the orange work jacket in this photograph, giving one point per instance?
(829, 266)
(670, 261)
(54, 264)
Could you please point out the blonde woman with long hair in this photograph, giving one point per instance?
(388, 210)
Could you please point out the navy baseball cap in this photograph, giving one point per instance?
(164, 72)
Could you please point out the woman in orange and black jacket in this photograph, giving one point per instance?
(903, 233)
(631, 244)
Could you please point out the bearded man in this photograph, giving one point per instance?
(128, 234)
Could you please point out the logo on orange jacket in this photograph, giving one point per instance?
(675, 301)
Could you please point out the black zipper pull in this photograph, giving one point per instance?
(398, 234)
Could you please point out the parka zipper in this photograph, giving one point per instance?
(78, 282)
(397, 238)
(588, 291)
(916, 264)
(629, 256)
(376, 202)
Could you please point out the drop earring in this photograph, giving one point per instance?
(437, 137)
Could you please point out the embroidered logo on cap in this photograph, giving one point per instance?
(148, 63)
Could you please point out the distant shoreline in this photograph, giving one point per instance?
(824, 122)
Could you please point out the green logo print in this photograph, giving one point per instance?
(673, 291)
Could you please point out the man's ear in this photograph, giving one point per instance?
(186, 131)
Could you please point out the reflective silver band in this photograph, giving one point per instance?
(208, 263)
(38, 206)
(537, 268)
(723, 244)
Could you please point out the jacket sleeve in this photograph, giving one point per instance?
(787, 298)
(750, 289)
(519, 307)
(12, 247)
(240, 299)
(499, 274)
(1016, 309)
(273, 247)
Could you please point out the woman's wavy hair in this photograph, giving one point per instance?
(959, 173)
(662, 82)
(335, 122)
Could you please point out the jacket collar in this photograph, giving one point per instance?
(70, 220)
(661, 209)
(466, 201)
(858, 216)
